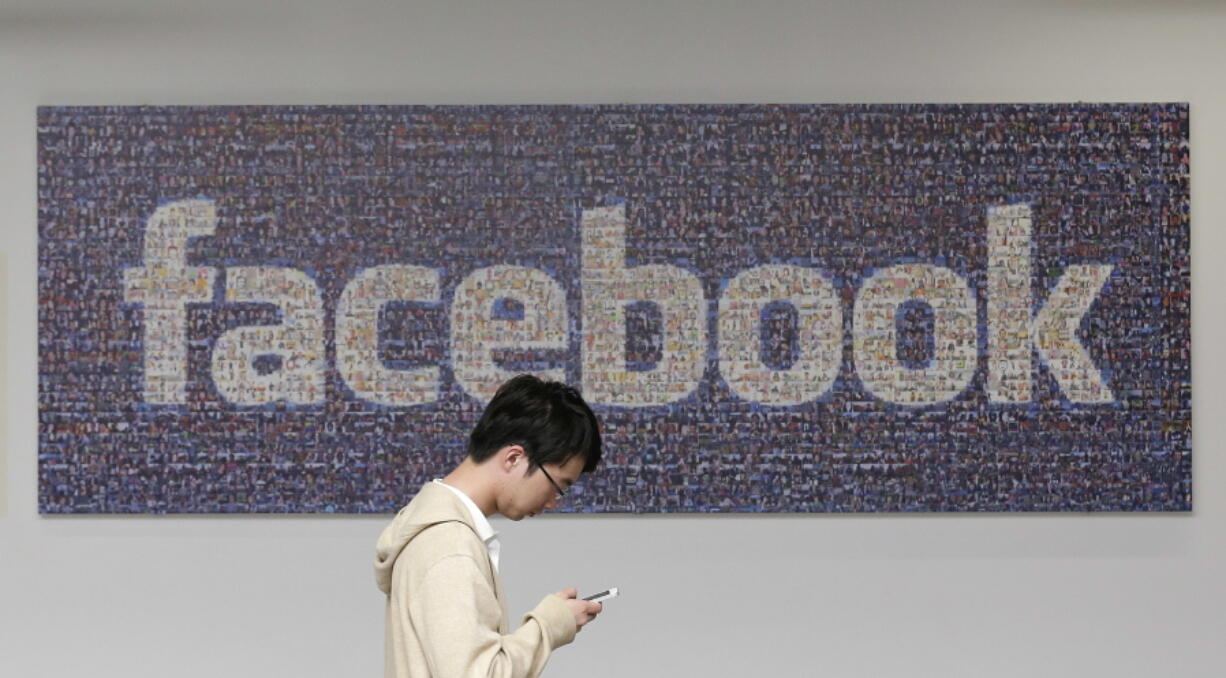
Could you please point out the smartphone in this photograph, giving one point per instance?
(603, 595)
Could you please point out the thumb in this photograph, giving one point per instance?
(569, 592)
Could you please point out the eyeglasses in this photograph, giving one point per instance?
(556, 486)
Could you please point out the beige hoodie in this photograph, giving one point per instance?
(446, 616)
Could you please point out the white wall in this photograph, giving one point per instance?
(880, 596)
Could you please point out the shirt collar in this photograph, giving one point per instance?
(484, 529)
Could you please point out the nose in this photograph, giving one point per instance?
(553, 501)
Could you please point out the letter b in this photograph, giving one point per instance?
(608, 287)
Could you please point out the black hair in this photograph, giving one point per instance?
(547, 418)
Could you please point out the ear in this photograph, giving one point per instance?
(511, 455)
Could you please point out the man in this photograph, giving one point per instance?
(437, 561)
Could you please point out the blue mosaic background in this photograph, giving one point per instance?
(714, 190)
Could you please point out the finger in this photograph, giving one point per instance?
(569, 592)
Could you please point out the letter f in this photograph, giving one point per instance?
(164, 286)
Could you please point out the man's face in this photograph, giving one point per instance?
(531, 493)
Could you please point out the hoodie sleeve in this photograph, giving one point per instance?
(457, 615)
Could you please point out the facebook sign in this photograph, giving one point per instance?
(801, 308)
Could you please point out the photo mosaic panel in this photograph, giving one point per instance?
(805, 308)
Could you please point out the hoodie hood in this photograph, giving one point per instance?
(434, 504)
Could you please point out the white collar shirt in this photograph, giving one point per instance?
(484, 530)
